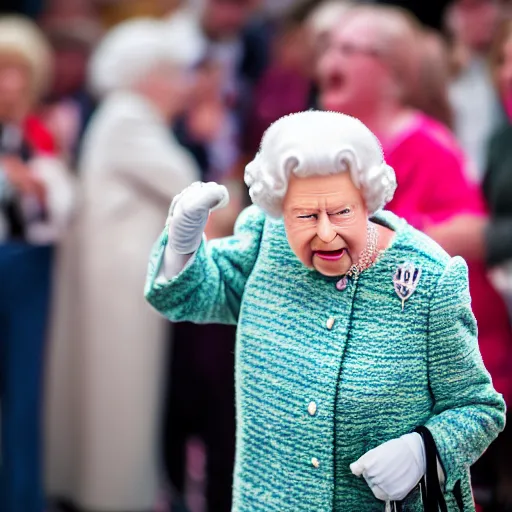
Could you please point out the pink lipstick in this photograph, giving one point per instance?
(330, 255)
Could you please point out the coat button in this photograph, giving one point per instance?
(315, 462)
(330, 323)
(312, 408)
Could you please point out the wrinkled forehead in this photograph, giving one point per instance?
(321, 193)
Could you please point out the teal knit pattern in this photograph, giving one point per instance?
(324, 375)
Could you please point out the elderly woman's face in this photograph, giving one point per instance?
(326, 222)
(168, 87)
(15, 89)
(474, 22)
(352, 56)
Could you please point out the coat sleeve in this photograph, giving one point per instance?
(210, 288)
(147, 157)
(468, 413)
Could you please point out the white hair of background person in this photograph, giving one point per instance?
(134, 48)
(322, 143)
(21, 37)
(326, 15)
(184, 29)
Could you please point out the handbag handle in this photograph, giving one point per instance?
(431, 492)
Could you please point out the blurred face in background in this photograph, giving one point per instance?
(207, 81)
(352, 72)
(293, 49)
(503, 74)
(473, 22)
(224, 19)
(70, 69)
(322, 21)
(15, 88)
(168, 88)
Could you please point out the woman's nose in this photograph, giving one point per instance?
(324, 229)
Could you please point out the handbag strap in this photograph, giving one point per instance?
(432, 495)
(431, 492)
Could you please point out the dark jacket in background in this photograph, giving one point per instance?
(428, 12)
(30, 8)
(254, 60)
(497, 187)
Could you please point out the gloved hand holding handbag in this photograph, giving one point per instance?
(394, 468)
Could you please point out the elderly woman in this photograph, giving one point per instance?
(36, 196)
(498, 180)
(354, 329)
(494, 470)
(131, 167)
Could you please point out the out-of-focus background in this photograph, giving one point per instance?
(108, 109)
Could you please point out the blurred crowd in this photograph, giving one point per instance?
(108, 109)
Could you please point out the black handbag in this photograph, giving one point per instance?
(431, 493)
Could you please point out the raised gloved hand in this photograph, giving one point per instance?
(394, 468)
(189, 213)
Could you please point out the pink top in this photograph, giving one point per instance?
(432, 183)
(432, 187)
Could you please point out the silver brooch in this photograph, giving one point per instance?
(406, 280)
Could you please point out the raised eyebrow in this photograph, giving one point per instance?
(305, 211)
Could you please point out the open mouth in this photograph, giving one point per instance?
(334, 82)
(330, 255)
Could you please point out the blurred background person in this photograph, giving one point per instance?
(209, 128)
(36, 198)
(497, 183)
(238, 44)
(69, 105)
(471, 25)
(494, 472)
(321, 19)
(432, 96)
(434, 193)
(130, 168)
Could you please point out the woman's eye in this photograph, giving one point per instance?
(345, 211)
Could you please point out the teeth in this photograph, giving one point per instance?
(331, 253)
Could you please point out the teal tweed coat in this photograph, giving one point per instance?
(312, 395)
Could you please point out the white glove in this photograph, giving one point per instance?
(394, 468)
(189, 213)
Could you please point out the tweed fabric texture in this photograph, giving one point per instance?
(374, 375)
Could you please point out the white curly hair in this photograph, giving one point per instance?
(318, 143)
(133, 48)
